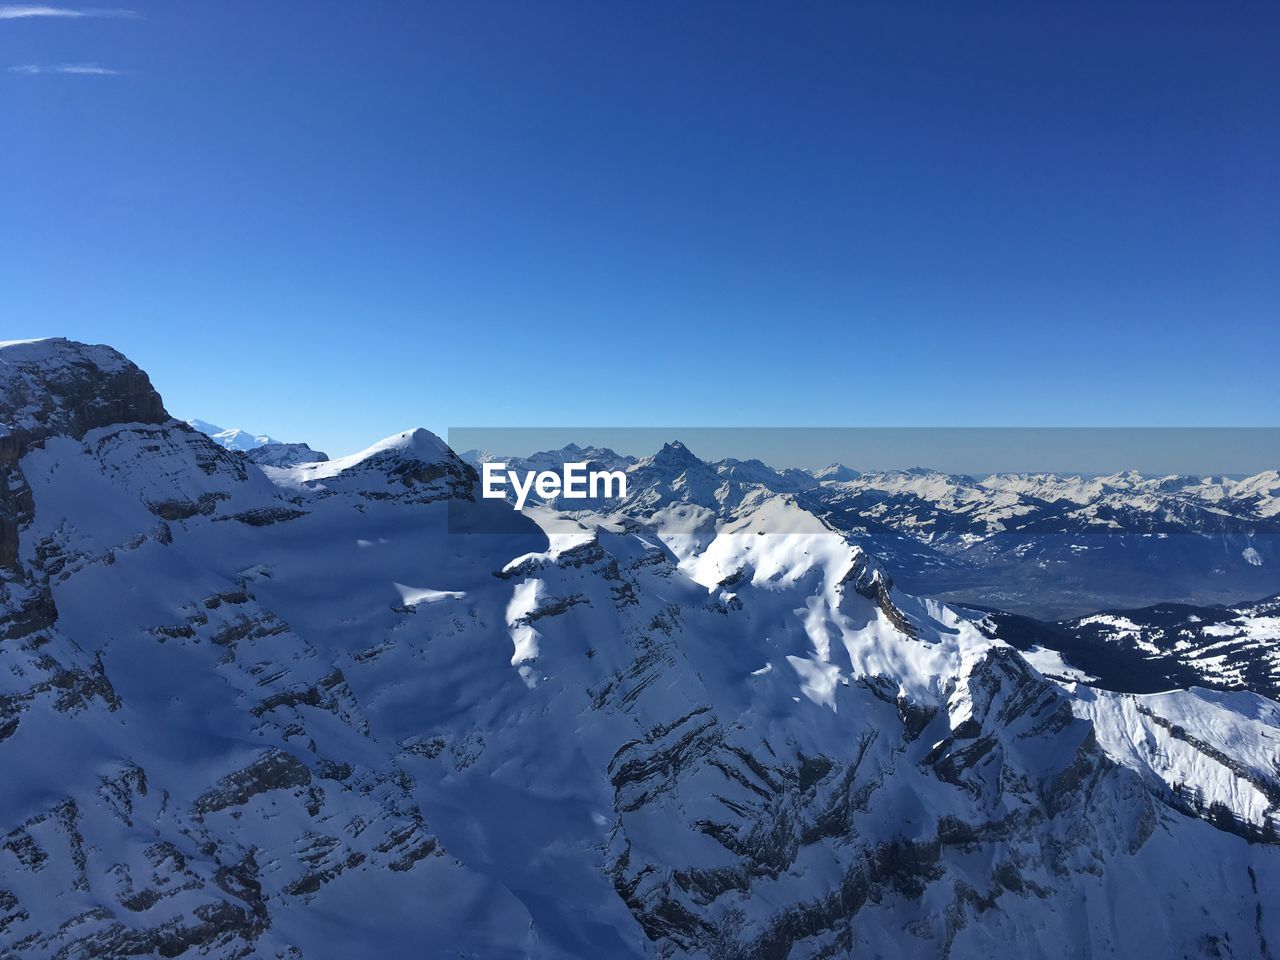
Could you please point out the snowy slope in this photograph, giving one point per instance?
(1225, 647)
(299, 714)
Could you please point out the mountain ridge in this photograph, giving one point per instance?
(299, 711)
(1048, 546)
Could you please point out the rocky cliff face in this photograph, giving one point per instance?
(51, 389)
(59, 388)
(298, 712)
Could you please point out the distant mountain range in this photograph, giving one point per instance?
(233, 438)
(1053, 546)
(260, 448)
(1045, 545)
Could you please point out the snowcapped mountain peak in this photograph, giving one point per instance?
(418, 444)
(675, 464)
(601, 457)
(836, 473)
(749, 471)
(233, 438)
(760, 473)
(1124, 479)
(284, 454)
(1268, 481)
(58, 351)
(1263, 490)
(673, 454)
(57, 386)
(259, 448)
(415, 465)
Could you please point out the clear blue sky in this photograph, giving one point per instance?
(334, 220)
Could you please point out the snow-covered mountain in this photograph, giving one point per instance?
(1162, 646)
(284, 455)
(1225, 647)
(1041, 544)
(347, 709)
(835, 472)
(232, 438)
(953, 512)
(260, 448)
(599, 457)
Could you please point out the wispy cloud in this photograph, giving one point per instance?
(82, 69)
(24, 11)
